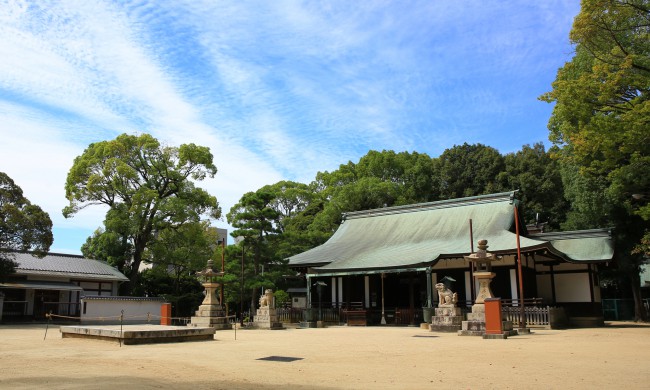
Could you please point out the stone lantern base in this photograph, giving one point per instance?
(211, 313)
(212, 316)
(475, 324)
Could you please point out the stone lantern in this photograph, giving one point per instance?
(482, 270)
(481, 262)
(211, 312)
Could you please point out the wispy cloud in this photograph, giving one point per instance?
(277, 90)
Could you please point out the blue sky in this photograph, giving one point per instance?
(279, 90)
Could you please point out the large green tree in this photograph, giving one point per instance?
(413, 173)
(469, 170)
(296, 205)
(148, 188)
(23, 226)
(379, 179)
(111, 247)
(256, 220)
(183, 250)
(602, 116)
(536, 175)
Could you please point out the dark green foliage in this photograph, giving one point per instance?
(23, 226)
(281, 298)
(257, 219)
(148, 188)
(470, 170)
(183, 250)
(184, 293)
(111, 247)
(600, 120)
(537, 176)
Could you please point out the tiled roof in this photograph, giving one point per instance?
(56, 264)
(419, 235)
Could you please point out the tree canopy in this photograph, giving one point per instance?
(536, 175)
(23, 226)
(256, 218)
(148, 188)
(602, 111)
(469, 170)
(600, 122)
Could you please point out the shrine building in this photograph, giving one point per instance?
(387, 261)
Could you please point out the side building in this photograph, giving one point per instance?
(55, 283)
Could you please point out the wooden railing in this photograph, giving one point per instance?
(290, 315)
(535, 316)
(535, 313)
(14, 309)
(527, 302)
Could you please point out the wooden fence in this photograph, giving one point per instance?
(535, 313)
(535, 316)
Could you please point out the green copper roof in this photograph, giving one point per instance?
(584, 245)
(420, 234)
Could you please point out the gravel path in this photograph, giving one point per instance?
(613, 357)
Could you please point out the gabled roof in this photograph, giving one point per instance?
(583, 245)
(69, 266)
(419, 235)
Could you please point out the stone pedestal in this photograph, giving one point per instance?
(267, 318)
(211, 316)
(475, 324)
(446, 319)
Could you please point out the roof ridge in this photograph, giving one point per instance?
(457, 202)
(566, 235)
(57, 254)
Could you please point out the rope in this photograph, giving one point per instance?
(148, 317)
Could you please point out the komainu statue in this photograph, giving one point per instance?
(446, 298)
(267, 298)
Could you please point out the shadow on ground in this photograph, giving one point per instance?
(626, 324)
(122, 382)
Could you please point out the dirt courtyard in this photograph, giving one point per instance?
(616, 356)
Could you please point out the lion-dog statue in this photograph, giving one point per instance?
(267, 298)
(446, 298)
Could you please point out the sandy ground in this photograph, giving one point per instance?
(613, 357)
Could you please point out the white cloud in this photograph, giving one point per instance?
(277, 90)
(38, 159)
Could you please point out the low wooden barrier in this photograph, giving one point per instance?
(356, 317)
(535, 316)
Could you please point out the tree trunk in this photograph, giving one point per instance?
(252, 309)
(139, 245)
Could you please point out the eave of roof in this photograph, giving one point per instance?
(35, 285)
(593, 245)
